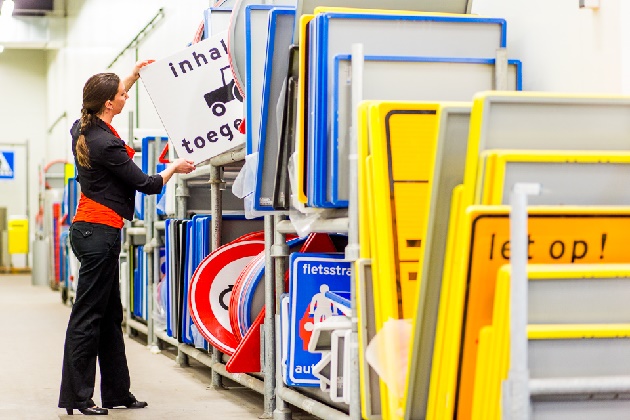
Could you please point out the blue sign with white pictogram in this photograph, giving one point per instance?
(311, 276)
(7, 160)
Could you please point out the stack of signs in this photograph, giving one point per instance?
(148, 142)
(139, 291)
(311, 276)
(196, 98)
(445, 42)
(211, 288)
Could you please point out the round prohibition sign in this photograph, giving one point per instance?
(214, 275)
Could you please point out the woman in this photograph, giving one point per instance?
(109, 180)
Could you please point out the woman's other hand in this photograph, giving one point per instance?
(178, 166)
(183, 166)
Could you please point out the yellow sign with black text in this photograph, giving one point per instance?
(557, 235)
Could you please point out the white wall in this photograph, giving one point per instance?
(97, 32)
(564, 48)
(22, 119)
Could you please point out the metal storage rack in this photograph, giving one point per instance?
(269, 383)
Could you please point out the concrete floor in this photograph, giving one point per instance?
(32, 328)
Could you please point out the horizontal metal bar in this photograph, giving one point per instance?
(160, 225)
(575, 386)
(162, 336)
(310, 405)
(205, 359)
(228, 157)
(203, 183)
(200, 171)
(136, 231)
(137, 326)
(289, 395)
(339, 225)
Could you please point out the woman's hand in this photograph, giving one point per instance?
(139, 65)
(183, 166)
(135, 74)
(178, 166)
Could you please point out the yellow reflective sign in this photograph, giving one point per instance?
(300, 132)
(494, 171)
(569, 235)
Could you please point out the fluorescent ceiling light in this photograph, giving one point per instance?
(7, 8)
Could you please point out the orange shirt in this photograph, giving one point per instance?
(90, 211)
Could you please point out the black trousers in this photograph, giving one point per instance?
(94, 329)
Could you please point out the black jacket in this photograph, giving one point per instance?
(114, 177)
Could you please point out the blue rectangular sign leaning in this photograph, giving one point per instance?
(7, 169)
(311, 276)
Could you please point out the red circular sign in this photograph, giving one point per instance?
(210, 289)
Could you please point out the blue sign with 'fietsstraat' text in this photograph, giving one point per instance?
(311, 276)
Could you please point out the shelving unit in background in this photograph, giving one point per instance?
(189, 199)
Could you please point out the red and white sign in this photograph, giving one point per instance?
(211, 287)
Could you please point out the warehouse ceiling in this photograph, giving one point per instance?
(35, 7)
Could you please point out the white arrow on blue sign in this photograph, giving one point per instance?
(7, 160)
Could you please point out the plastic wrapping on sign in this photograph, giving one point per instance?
(301, 217)
(280, 106)
(245, 183)
(159, 306)
(198, 340)
(388, 354)
(246, 178)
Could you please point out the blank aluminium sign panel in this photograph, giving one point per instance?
(544, 121)
(448, 173)
(256, 36)
(567, 177)
(217, 20)
(237, 37)
(401, 78)
(446, 6)
(332, 34)
(281, 23)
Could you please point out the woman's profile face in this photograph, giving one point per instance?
(120, 99)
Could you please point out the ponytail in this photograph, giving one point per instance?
(97, 90)
(82, 151)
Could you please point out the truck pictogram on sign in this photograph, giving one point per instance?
(217, 99)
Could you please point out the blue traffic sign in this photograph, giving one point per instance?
(7, 160)
(311, 276)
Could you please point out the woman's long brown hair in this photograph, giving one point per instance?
(100, 88)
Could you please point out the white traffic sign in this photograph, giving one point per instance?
(195, 96)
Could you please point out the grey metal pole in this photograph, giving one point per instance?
(269, 361)
(280, 252)
(131, 140)
(181, 203)
(501, 70)
(149, 213)
(28, 189)
(155, 242)
(519, 373)
(215, 242)
(352, 250)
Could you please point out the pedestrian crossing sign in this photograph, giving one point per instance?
(6, 165)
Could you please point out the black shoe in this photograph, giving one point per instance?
(90, 411)
(134, 404)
